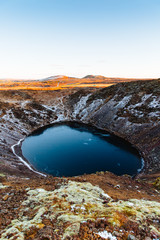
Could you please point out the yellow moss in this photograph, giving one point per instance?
(157, 183)
(152, 228)
(114, 220)
(138, 209)
(40, 225)
(73, 229)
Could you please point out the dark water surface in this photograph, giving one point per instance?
(74, 149)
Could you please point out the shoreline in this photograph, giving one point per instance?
(18, 144)
(20, 156)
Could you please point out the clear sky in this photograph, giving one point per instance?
(114, 38)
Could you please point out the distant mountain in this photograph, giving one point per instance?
(53, 78)
(94, 76)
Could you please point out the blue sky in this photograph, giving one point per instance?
(115, 38)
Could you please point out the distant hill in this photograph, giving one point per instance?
(62, 82)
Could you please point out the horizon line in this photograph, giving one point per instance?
(61, 76)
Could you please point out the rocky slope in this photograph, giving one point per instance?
(40, 207)
(130, 110)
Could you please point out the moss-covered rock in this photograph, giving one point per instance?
(72, 204)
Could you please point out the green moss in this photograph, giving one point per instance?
(2, 175)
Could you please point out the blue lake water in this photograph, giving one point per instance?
(74, 149)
